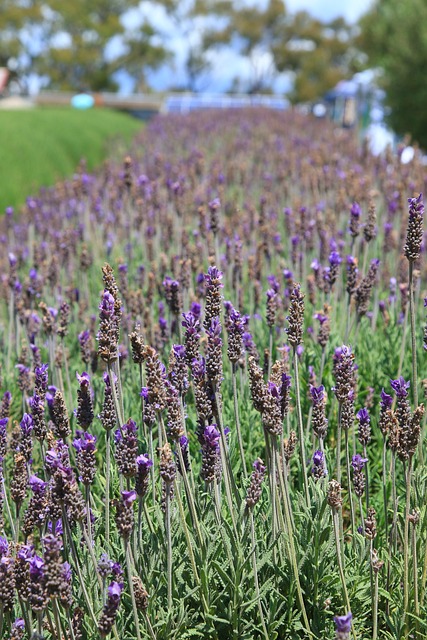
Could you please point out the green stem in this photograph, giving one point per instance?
(366, 478)
(107, 485)
(384, 478)
(294, 564)
(393, 536)
(406, 542)
(335, 520)
(273, 473)
(152, 474)
(119, 416)
(56, 618)
(77, 566)
(70, 626)
(301, 430)
(402, 347)
(189, 495)
(339, 430)
(9, 513)
(169, 543)
(149, 627)
(413, 335)
(415, 570)
(255, 570)
(226, 470)
(350, 493)
(132, 593)
(9, 337)
(375, 612)
(236, 416)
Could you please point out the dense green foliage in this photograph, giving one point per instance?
(43, 145)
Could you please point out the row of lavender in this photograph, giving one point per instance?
(239, 456)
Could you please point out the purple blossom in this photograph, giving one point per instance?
(400, 387)
(271, 294)
(343, 623)
(198, 368)
(213, 274)
(190, 323)
(85, 442)
(115, 591)
(357, 462)
(274, 285)
(41, 374)
(259, 466)
(116, 569)
(211, 436)
(50, 395)
(320, 317)
(83, 379)
(179, 350)
(37, 485)
(36, 565)
(214, 204)
(317, 394)
(4, 546)
(386, 401)
(128, 497)
(196, 310)
(363, 416)
(106, 306)
(318, 458)
(144, 393)
(26, 424)
(355, 210)
(104, 565)
(334, 259)
(84, 337)
(19, 623)
(416, 206)
(144, 463)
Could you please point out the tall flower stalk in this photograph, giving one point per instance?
(335, 502)
(295, 331)
(412, 251)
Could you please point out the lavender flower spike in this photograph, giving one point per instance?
(414, 235)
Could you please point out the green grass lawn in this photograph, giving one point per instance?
(43, 145)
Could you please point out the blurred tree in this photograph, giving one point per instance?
(394, 37)
(318, 54)
(253, 32)
(199, 24)
(21, 24)
(87, 42)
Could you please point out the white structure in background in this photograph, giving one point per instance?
(359, 102)
(184, 103)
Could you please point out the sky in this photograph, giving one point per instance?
(227, 64)
(351, 10)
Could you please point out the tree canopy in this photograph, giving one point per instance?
(83, 43)
(394, 37)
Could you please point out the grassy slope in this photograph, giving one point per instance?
(38, 147)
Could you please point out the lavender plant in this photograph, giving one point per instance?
(147, 281)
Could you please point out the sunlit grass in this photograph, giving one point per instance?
(40, 146)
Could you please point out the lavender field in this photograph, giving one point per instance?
(211, 418)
